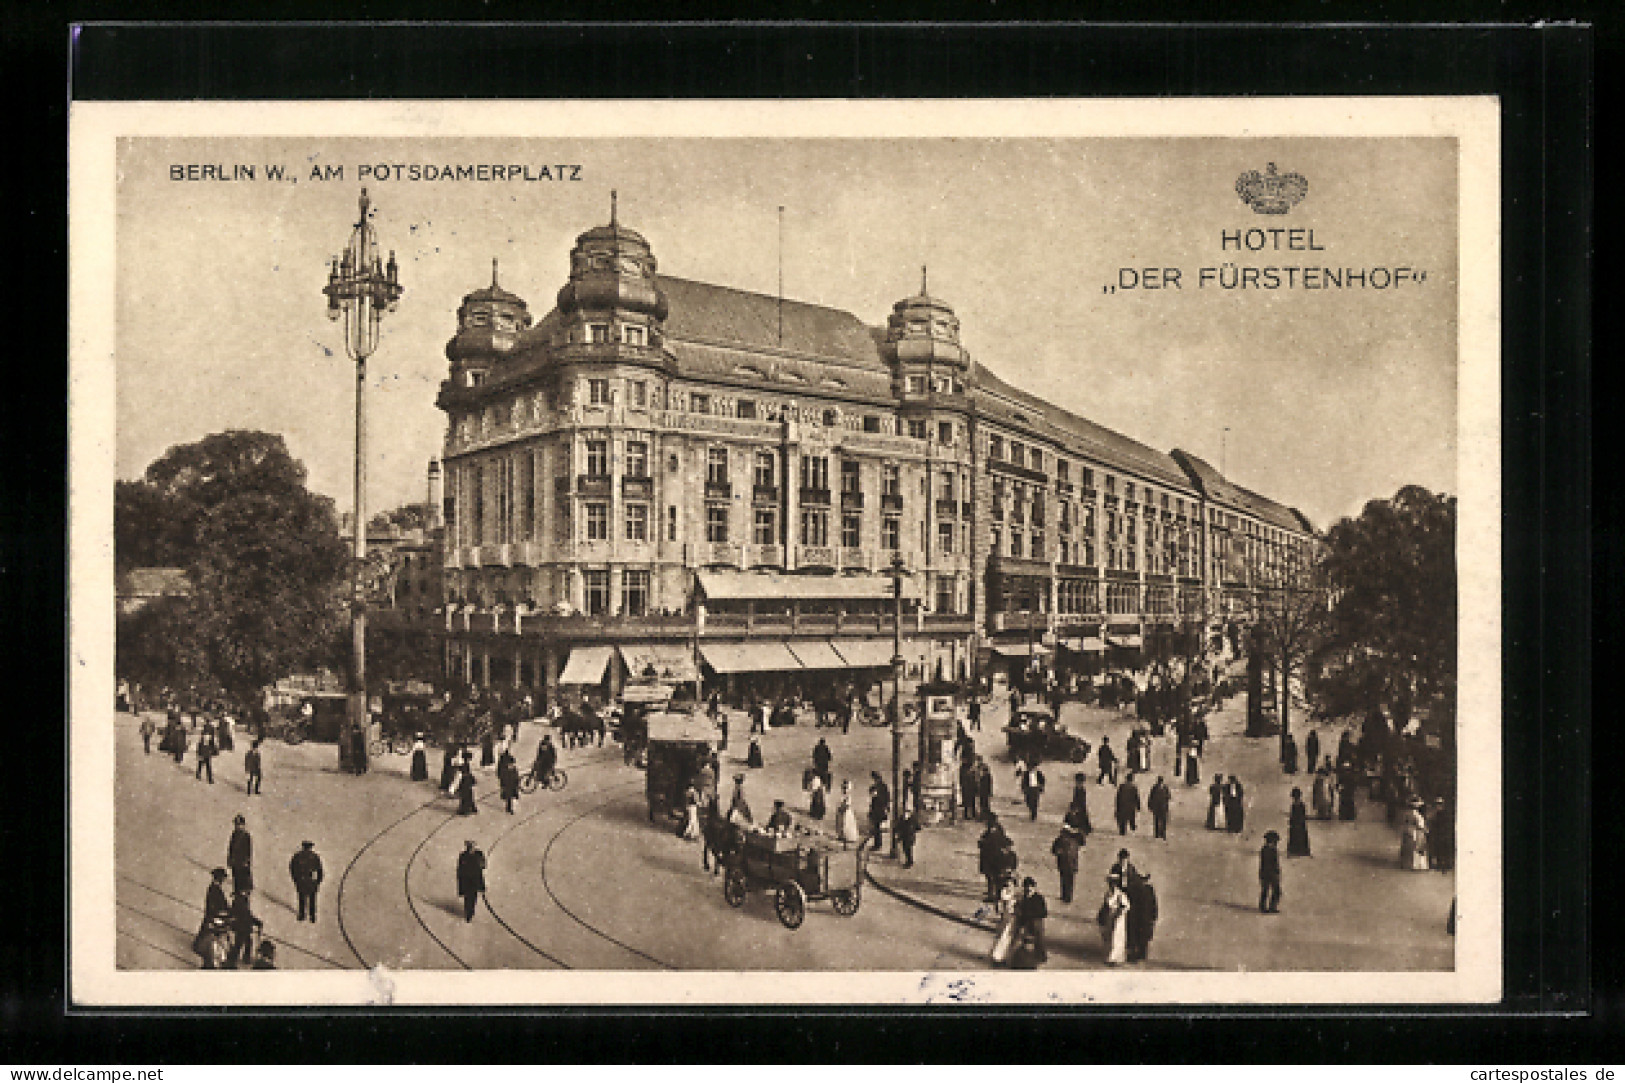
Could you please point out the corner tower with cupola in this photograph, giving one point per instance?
(931, 372)
(489, 323)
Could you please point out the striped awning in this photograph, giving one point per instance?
(864, 653)
(816, 654)
(765, 656)
(586, 665)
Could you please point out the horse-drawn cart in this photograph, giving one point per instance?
(798, 870)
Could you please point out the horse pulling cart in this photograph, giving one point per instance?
(798, 871)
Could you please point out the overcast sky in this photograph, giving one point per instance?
(1331, 397)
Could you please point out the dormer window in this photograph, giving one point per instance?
(633, 335)
(476, 377)
(598, 392)
(478, 318)
(915, 385)
(597, 332)
(503, 321)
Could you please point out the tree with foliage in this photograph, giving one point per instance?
(263, 555)
(1288, 620)
(1390, 637)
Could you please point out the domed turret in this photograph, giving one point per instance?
(488, 325)
(612, 272)
(923, 330)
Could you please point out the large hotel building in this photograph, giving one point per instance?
(660, 471)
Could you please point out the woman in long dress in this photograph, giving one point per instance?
(1217, 805)
(465, 792)
(1323, 795)
(1193, 767)
(815, 805)
(420, 761)
(448, 768)
(1413, 840)
(1297, 831)
(1114, 930)
(1005, 942)
(846, 821)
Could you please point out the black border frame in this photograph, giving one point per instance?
(1544, 78)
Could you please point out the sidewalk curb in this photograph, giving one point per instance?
(920, 904)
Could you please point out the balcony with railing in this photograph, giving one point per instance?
(851, 499)
(719, 490)
(815, 497)
(637, 488)
(855, 558)
(1001, 466)
(594, 485)
(764, 556)
(728, 553)
(765, 494)
(816, 556)
(891, 502)
(947, 509)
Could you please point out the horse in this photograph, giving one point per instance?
(722, 839)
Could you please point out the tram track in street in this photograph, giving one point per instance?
(131, 908)
(344, 879)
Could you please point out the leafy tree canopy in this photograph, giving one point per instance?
(263, 555)
(1390, 635)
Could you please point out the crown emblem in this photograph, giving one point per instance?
(1270, 192)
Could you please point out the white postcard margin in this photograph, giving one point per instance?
(93, 131)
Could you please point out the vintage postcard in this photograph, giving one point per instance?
(663, 553)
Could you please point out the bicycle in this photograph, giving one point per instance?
(555, 781)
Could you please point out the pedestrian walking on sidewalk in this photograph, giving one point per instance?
(508, 780)
(1158, 803)
(240, 855)
(1289, 754)
(1108, 762)
(243, 926)
(846, 819)
(465, 792)
(1032, 787)
(1193, 767)
(420, 760)
(1142, 915)
(990, 859)
(470, 878)
(1235, 810)
(1217, 806)
(1077, 813)
(984, 788)
(253, 766)
(1297, 831)
(305, 867)
(1311, 751)
(879, 808)
(1128, 805)
(1065, 848)
(1269, 875)
(1031, 910)
(148, 728)
(207, 750)
(908, 827)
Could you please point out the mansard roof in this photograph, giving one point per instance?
(1223, 491)
(702, 312)
(1083, 437)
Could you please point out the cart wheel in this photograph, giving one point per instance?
(847, 902)
(791, 903)
(733, 888)
(527, 784)
(558, 780)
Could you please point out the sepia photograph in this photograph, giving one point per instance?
(786, 552)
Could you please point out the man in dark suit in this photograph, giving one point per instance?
(1269, 875)
(1158, 802)
(1142, 915)
(306, 870)
(243, 925)
(1065, 848)
(879, 808)
(252, 764)
(1031, 910)
(470, 878)
(240, 856)
(1128, 805)
(1108, 762)
(984, 788)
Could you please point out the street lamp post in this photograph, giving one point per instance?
(897, 697)
(361, 288)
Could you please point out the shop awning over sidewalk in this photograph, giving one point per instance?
(767, 656)
(1019, 650)
(864, 653)
(816, 654)
(668, 661)
(586, 665)
(1084, 644)
(1131, 642)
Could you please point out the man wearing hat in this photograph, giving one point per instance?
(470, 878)
(779, 822)
(1065, 848)
(1031, 910)
(243, 925)
(240, 855)
(306, 870)
(1269, 875)
(1142, 914)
